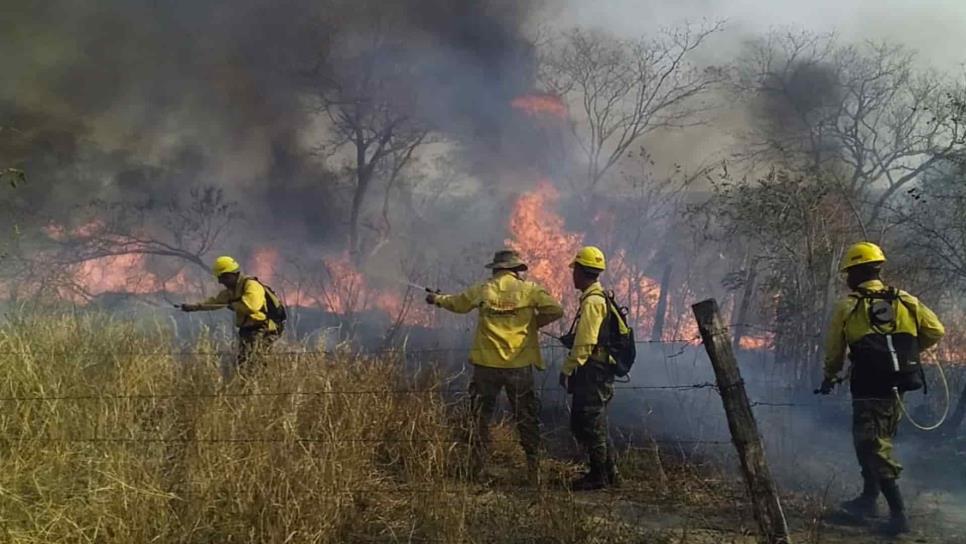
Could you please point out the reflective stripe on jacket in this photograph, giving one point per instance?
(511, 311)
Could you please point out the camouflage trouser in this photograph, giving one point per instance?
(593, 388)
(484, 390)
(253, 343)
(874, 424)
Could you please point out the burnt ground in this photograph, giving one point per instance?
(690, 505)
(667, 497)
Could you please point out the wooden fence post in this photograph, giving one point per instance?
(741, 421)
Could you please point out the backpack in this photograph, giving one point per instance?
(274, 307)
(614, 335)
(899, 352)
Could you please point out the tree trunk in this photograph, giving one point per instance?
(740, 322)
(660, 313)
(363, 177)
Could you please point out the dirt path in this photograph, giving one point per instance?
(681, 505)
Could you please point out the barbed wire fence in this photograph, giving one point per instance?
(681, 394)
(671, 407)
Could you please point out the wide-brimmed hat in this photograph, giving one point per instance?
(506, 259)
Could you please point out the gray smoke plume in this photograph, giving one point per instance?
(123, 99)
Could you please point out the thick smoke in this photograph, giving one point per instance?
(123, 99)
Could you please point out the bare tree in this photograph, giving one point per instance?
(627, 89)
(185, 229)
(645, 228)
(861, 115)
(370, 109)
(932, 229)
(395, 185)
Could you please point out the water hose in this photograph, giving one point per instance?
(902, 406)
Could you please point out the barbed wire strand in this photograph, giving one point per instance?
(684, 343)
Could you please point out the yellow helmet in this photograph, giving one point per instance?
(590, 257)
(862, 253)
(224, 265)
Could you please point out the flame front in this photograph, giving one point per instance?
(538, 234)
(541, 105)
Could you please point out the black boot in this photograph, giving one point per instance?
(595, 479)
(865, 505)
(898, 524)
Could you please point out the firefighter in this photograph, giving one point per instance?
(505, 350)
(588, 375)
(248, 298)
(884, 329)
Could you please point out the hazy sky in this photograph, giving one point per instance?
(936, 28)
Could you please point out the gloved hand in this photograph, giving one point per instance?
(827, 386)
(431, 298)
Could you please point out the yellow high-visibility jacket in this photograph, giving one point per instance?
(593, 312)
(248, 302)
(511, 311)
(849, 325)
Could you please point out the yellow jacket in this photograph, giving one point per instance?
(511, 311)
(849, 325)
(247, 300)
(592, 313)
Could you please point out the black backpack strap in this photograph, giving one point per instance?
(573, 324)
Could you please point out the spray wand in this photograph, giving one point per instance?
(417, 286)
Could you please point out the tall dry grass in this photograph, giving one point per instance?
(108, 436)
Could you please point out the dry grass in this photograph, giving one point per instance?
(108, 437)
(153, 447)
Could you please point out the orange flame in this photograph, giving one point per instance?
(541, 105)
(540, 236)
(759, 342)
(264, 263)
(541, 239)
(348, 292)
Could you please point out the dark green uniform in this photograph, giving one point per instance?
(593, 389)
(505, 350)
(591, 381)
(875, 410)
(884, 330)
(484, 390)
(874, 425)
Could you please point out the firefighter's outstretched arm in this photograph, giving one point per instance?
(218, 302)
(460, 303)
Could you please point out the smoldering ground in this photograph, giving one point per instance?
(807, 437)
